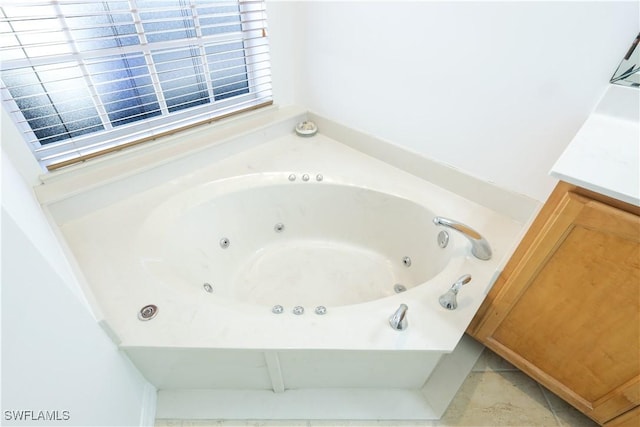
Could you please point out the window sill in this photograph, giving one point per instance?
(214, 138)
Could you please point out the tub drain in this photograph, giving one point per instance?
(148, 312)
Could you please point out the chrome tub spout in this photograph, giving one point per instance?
(480, 248)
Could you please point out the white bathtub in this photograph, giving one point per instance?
(217, 246)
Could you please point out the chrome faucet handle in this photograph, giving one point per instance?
(398, 320)
(480, 248)
(450, 299)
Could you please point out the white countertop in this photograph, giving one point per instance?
(604, 156)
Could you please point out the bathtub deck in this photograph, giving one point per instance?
(101, 241)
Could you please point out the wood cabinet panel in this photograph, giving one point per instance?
(628, 419)
(568, 313)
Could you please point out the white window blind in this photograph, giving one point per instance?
(84, 77)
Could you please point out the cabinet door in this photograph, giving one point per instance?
(569, 314)
(628, 419)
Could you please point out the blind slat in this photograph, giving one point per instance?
(46, 44)
(265, 66)
(143, 106)
(74, 87)
(98, 55)
(71, 142)
(158, 132)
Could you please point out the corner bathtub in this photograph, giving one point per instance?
(262, 241)
(275, 271)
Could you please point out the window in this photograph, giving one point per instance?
(83, 77)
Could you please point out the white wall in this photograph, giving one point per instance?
(20, 202)
(12, 142)
(54, 354)
(495, 89)
(285, 46)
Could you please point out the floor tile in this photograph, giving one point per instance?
(567, 415)
(508, 398)
(490, 361)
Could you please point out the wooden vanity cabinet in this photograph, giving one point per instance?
(566, 309)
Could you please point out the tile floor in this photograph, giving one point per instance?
(494, 394)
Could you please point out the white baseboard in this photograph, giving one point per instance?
(307, 404)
